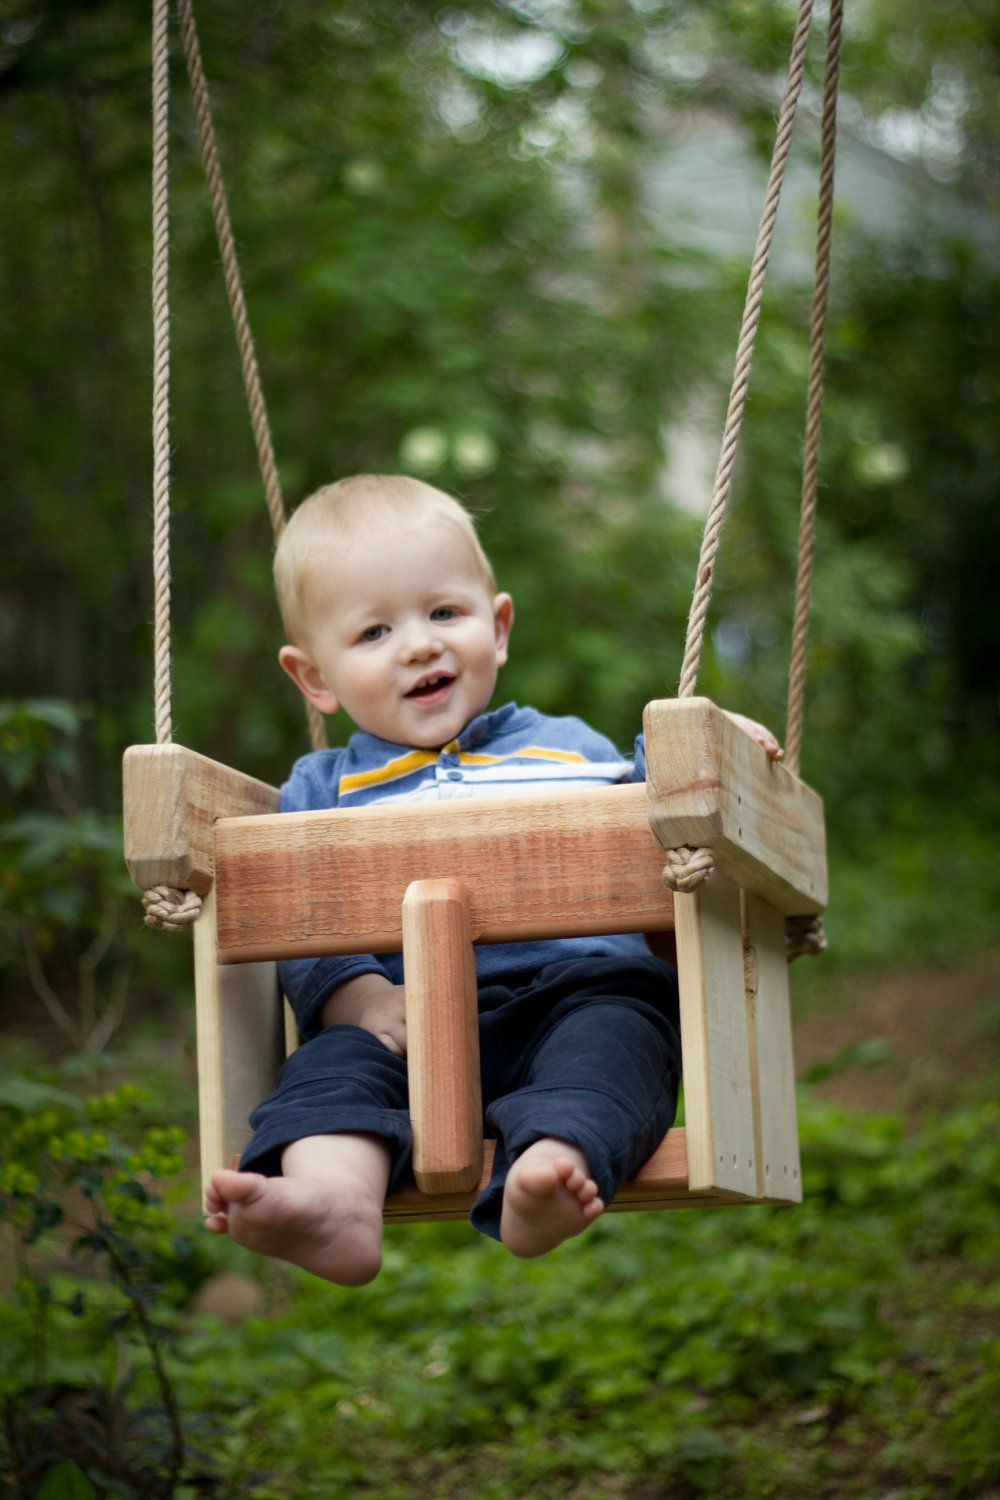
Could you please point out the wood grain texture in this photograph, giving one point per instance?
(661, 1183)
(719, 1082)
(241, 1043)
(534, 866)
(172, 797)
(711, 785)
(442, 1037)
(770, 1024)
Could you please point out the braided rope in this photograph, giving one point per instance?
(686, 868)
(744, 357)
(804, 935)
(162, 711)
(231, 269)
(170, 909)
(237, 301)
(814, 401)
(165, 906)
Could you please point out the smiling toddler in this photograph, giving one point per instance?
(392, 613)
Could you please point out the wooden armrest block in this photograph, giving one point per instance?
(172, 797)
(711, 785)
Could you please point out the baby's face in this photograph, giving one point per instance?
(407, 637)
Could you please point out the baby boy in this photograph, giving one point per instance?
(392, 612)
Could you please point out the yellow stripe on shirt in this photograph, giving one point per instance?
(391, 771)
(468, 758)
(416, 759)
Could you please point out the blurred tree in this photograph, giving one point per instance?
(453, 268)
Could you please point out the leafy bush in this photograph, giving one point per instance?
(64, 885)
(86, 1378)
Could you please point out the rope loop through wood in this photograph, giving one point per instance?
(170, 909)
(687, 868)
(804, 935)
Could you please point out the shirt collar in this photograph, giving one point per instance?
(484, 726)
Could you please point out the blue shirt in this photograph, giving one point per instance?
(510, 750)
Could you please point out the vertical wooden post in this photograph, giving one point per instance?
(778, 1171)
(442, 1037)
(241, 1042)
(718, 1081)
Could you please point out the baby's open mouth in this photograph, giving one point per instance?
(430, 685)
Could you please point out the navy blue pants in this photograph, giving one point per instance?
(588, 1052)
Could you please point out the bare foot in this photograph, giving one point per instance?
(548, 1197)
(324, 1215)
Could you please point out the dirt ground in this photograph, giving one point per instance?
(940, 1027)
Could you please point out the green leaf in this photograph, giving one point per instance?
(28, 1095)
(66, 1481)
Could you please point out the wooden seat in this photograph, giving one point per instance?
(432, 879)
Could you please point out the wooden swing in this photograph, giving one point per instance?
(744, 883)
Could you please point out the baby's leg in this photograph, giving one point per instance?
(602, 1075)
(324, 1213)
(549, 1196)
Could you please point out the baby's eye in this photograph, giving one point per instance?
(444, 612)
(373, 633)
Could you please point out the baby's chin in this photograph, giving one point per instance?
(439, 730)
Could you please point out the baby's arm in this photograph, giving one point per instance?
(372, 1002)
(758, 732)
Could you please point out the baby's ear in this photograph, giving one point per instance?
(503, 622)
(308, 678)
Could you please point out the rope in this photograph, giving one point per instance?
(237, 302)
(166, 906)
(162, 713)
(231, 270)
(814, 401)
(804, 935)
(686, 868)
(744, 357)
(170, 909)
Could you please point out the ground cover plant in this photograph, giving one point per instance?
(847, 1347)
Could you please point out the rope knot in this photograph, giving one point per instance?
(804, 935)
(170, 909)
(687, 868)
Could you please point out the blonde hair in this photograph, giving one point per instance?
(360, 506)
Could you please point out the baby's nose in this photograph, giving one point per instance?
(420, 641)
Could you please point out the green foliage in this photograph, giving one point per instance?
(857, 1332)
(64, 886)
(658, 1346)
(85, 1380)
